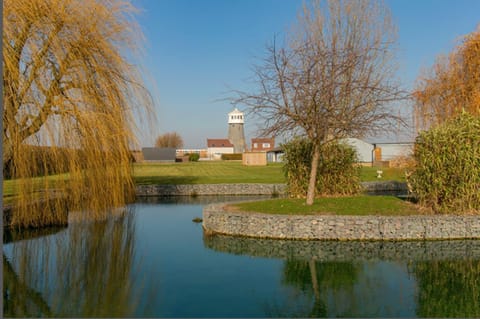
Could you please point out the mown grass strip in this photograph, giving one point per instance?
(233, 172)
(207, 173)
(354, 205)
(369, 174)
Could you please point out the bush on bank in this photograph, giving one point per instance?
(337, 173)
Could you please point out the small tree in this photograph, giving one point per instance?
(447, 175)
(332, 79)
(337, 172)
(172, 139)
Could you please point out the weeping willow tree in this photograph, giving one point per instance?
(71, 97)
(451, 86)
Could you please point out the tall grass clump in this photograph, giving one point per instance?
(337, 173)
(447, 173)
(72, 96)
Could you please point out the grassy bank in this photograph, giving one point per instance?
(207, 173)
(217, 172)
(354, 205)
(232, 172)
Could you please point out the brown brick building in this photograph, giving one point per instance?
(263, 144)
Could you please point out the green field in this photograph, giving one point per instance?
(217, 172)
(220, 172)
(353, 205)
(232, 172)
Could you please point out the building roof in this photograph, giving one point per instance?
(263, 140)
(277, 149)
(218, 142)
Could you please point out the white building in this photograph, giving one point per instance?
(390, 151)
(218, 146)
(364, 150)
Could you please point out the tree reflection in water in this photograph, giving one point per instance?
(316, 278)
(369, 279)
(87, 270)
(448, 288)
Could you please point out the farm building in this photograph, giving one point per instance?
(364, 150)
(217, 147)
(390, 151)
(159, 154)
(263, 144)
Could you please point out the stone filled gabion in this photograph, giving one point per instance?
(217, 220)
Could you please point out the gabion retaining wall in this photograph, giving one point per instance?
(388, 187)
(211, 189)
(216, 220)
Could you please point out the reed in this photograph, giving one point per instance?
(447, 173)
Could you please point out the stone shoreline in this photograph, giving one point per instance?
(381, 187)
(218, 220)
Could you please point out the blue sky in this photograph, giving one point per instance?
(199, 50)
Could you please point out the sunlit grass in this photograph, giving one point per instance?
(221, 172)
(207, 173)
(353, 205)
(369, 174)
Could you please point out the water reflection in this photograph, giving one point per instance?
(151, 261)
(86, 270)
(450, 288)
(370, 279)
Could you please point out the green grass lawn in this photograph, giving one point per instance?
(369, 174)
(207, 173)
(10, 186)
(232, 172)
(215, 172)
(354, 205)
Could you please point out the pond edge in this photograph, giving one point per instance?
(218, 220)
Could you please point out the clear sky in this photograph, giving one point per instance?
(197, 51)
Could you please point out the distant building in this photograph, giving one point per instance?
(390, 151)
(218, 146)
(379, 152)
(236, 134)
(275, 155)
(159, 154)
(265, 144)
(363, 149)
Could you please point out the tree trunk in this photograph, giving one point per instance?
(313, 175)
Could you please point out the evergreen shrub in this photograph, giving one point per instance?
(337, 172)
(447, 173)
(193, 157)
(232, 157)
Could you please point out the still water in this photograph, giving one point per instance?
(153, 261)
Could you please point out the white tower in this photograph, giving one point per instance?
(235, 131)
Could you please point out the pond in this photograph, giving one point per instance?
(152, 261)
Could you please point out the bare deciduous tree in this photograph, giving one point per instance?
(171, 139)
(70, 84)
(333, 78)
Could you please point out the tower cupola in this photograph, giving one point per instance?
(235, 117)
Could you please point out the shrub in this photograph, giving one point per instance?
(232, 157)
(194, 157)
(337, 172)
(447, 173)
